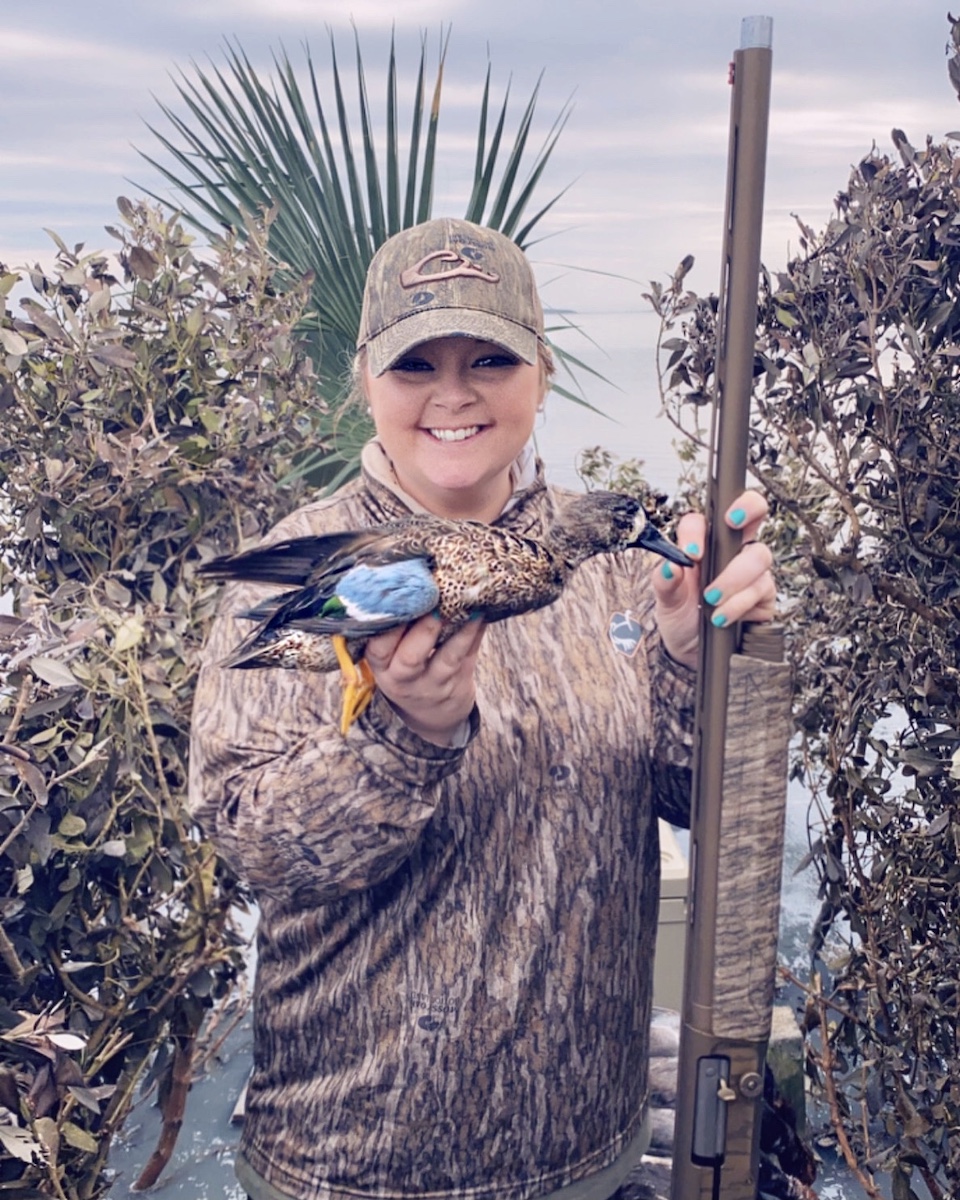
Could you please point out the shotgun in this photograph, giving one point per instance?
(741, 737)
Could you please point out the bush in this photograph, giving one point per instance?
(856, 440)
(146, 426)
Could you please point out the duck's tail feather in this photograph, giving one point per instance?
(246, 654)
(266, 608)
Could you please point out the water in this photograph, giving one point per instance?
(202, 1166)
(631, 425)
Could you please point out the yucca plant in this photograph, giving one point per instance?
(249, 145)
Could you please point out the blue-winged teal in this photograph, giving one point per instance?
(349, 586)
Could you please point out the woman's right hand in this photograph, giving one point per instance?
(432, 688)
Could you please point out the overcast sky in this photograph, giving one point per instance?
(644, 151)
(645, 148)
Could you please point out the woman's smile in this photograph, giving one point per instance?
(455, 435)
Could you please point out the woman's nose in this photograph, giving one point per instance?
(454, 389)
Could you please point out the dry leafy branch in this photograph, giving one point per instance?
(150, 404)
(856, 441)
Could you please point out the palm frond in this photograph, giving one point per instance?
(425, 206)
(514, 158)
(246, 144)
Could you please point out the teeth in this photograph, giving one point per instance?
(454, 435)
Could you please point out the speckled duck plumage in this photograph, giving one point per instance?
(362, 582)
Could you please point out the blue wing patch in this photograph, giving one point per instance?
(402, 590)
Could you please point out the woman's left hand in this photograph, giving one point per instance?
(744, 589)
(432, 687)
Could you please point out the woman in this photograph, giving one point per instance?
(459, 899)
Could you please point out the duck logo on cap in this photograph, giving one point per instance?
(465, 269)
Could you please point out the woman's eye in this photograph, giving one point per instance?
(496, 360)
(410, 363)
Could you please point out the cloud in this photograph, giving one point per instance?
(645, 148)
(13, 161)
(377, 14)
(109, 61)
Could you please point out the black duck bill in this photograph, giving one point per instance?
(652, 539)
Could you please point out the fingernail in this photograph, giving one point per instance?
(713, 595)
(738, 516)
(666, 571)
(719, 620)
(693, 548)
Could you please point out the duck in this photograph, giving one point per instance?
(343, 588)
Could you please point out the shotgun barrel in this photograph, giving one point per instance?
(741, 737)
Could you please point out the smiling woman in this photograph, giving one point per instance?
(458, 895)
(453, 363)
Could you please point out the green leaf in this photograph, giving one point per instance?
(54, 672)
(129, 634)
(87, 1097)
(12, 342)
(79, 1138)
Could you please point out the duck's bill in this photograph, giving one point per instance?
(652, 539)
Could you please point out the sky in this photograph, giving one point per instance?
(644, 151)
(643, 155)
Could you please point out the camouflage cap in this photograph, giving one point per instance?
(448, 278)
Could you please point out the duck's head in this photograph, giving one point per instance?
(604, 521)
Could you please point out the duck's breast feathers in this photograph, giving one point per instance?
(493, 573)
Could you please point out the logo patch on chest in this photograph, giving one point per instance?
(625, 633)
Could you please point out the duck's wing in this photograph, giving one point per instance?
(361, 600)
(293, 562)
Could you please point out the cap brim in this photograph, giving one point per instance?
(401, 337)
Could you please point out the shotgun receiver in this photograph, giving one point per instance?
(741, 738)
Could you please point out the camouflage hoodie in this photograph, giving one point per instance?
(455, 948)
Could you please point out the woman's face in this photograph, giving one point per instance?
(452, 415)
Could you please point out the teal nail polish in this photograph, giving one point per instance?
(738, 516)
(713, 596)
(719, 620)
(693, 548)
(666, 571)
